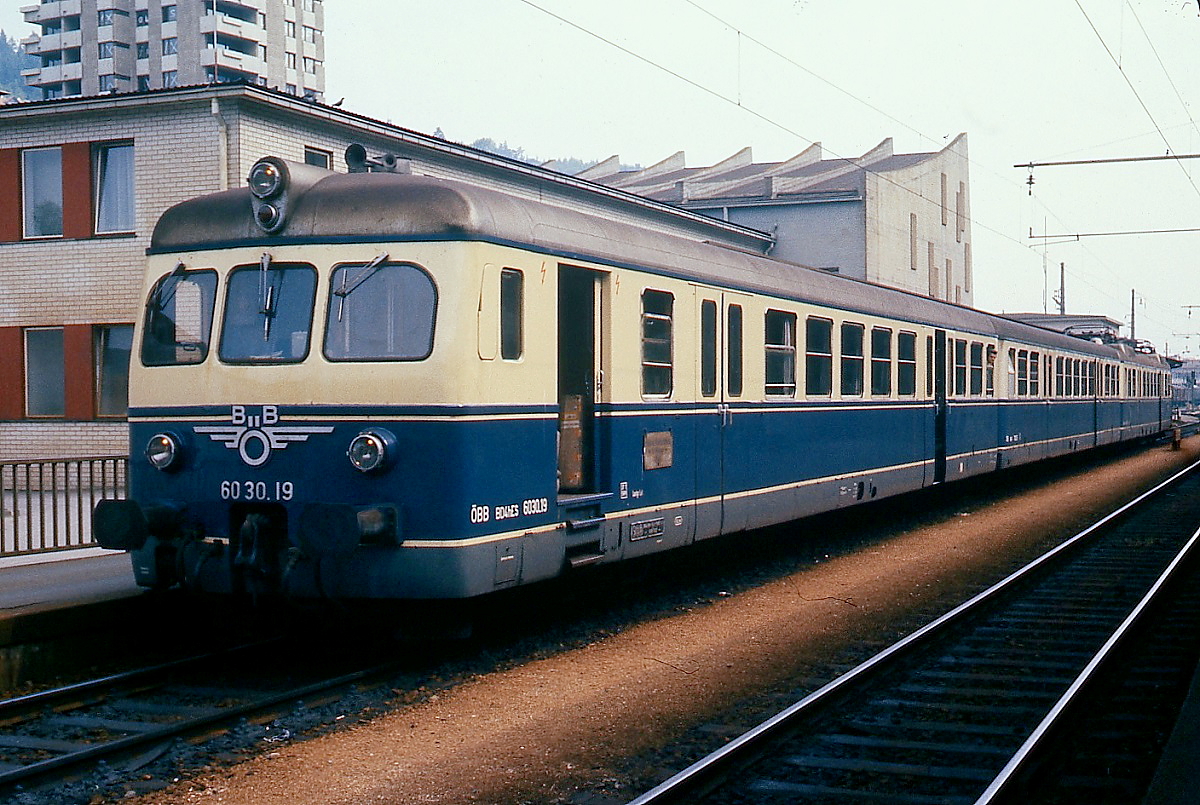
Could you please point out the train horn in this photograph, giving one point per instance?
(359, 160)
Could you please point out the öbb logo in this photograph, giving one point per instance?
(255, 435)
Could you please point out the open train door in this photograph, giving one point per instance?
(579, 374)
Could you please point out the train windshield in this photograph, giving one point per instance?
(179, 314)
(268, 313)
(380, 312)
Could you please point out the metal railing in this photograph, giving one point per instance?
(47, 505)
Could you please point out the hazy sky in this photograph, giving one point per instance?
(1028, 80)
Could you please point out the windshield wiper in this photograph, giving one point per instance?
(363, 275)
(266, 294)
(165, 290)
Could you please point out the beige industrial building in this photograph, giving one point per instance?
(90, 47)
(902, 220)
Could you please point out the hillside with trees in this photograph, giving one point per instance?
(568, 165)
(12, 62)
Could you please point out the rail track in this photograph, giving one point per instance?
(131, 718)
(1046, 687)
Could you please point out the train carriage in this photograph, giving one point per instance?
(393, 386)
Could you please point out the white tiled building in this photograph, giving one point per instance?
(88, 47)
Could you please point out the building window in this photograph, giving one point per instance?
(310, 34)
(41, 190)
(170, 78)
(512, 314)
(852, 359)
(881, 361)
(45, 373)
(113, 344)
(168, 13)
(143, 50)
(315, 156)
(114, 187)
(143, 83)
(104, 17)
(141, 18)
(105, 50)
(290, 60)
(818, 358)
(108, 82)
(310, 65)
(657, 367)
(170, 46)
(945, 205)
(290, 28)
(912, 241)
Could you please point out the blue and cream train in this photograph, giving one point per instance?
(379, 385)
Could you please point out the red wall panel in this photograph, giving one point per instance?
(12, 373)
(10, 194)
(81, 377)
(77, 190)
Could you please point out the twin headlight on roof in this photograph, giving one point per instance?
(269, 181)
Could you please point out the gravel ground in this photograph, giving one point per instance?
(621, 677)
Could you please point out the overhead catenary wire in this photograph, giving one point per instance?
(738, 101)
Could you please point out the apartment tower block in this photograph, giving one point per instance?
(91, 47)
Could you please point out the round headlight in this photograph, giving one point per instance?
(371, 450)
(266, 179)
(163, 451)
(267, 215)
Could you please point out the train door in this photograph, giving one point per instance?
(719, 387)
(941, 406)
(579, 378)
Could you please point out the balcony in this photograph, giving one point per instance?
(233, 59)
(51, 11)
(231, 26)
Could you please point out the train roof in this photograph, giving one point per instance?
(374, 207)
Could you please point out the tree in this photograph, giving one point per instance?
(12, 61)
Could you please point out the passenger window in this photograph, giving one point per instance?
(929, 366)
(1023, 373)
(708, 348)
(657, 369)
(512, 314)
(960, 367)
(906, 364)
(380, 312)
(976, 368)
(733, 376)
(852, 359)
(268, 313)
(780, 340)
(1035, 364)
(818, 371)
(881, 361)
(178, 323)
(990, 378)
